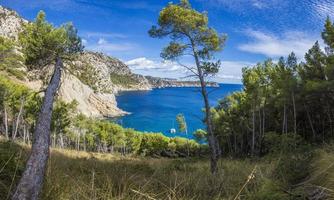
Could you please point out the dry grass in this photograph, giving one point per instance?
(321, 182)
(81, 175)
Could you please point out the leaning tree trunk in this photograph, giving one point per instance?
(212, 139)
(31, 182)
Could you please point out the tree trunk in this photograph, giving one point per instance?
(28, 137)
(31, 181)
(310, 121)
(284, 119)
(24, 133)
(84, 136)
(212, 140)
(6, 122)
(61, 138)
(263, 122)
(18, 120)
(253, 135)
(54, 139)
(294, 114)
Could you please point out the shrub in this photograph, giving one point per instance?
(17, 73)
(153, 143)
(292, 156)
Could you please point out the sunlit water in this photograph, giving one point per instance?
(156, 110)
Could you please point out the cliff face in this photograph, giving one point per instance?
(92, 79)
(10, 23)
(90, 103)
(108, 74)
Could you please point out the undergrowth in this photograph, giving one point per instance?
(83, 175)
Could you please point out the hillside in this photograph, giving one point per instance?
(92, 80)
(84, 175)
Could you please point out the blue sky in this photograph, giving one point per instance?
(256, 29)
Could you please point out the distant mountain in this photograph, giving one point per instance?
(157, 82)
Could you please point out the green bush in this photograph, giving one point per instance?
(153, 143)
(133, 140)
(275, 143)
(184, 145)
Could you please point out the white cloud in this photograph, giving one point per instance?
(274, 46)
(158, 68)
(84, 41)
(230, 71)
(102, 41)
(108, 35)
(259, 4)
(241, 5)
(103, 45)
(146, 64)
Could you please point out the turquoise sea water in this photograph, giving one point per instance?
(156, 110)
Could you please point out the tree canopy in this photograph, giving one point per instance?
(42, 43)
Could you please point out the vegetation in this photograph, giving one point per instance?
(87, 74)
(72, 130)
(276, 134)
(190, 35)
(287, 98)
(10, 61)
(81, 175)
(123, 80)
(43, 45)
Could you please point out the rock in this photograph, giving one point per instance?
(89, 103)
(105, 67)
(10, 23)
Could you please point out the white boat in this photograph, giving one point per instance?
(172, 130)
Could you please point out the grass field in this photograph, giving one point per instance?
(81, 175)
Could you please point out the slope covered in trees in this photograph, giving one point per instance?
(283, 99)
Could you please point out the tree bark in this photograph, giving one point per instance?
(6, 121)
(294, 113)
(253, 134)
(284, 119)
(212, 140)
(31, 182)
(18, 120)
(310, 121)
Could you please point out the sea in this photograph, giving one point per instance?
(156, 110)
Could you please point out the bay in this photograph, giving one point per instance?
(156, 110)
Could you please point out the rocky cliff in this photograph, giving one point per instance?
(92, 79)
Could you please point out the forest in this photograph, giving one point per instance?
(272, 140)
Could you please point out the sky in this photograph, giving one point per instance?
(256, 29)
